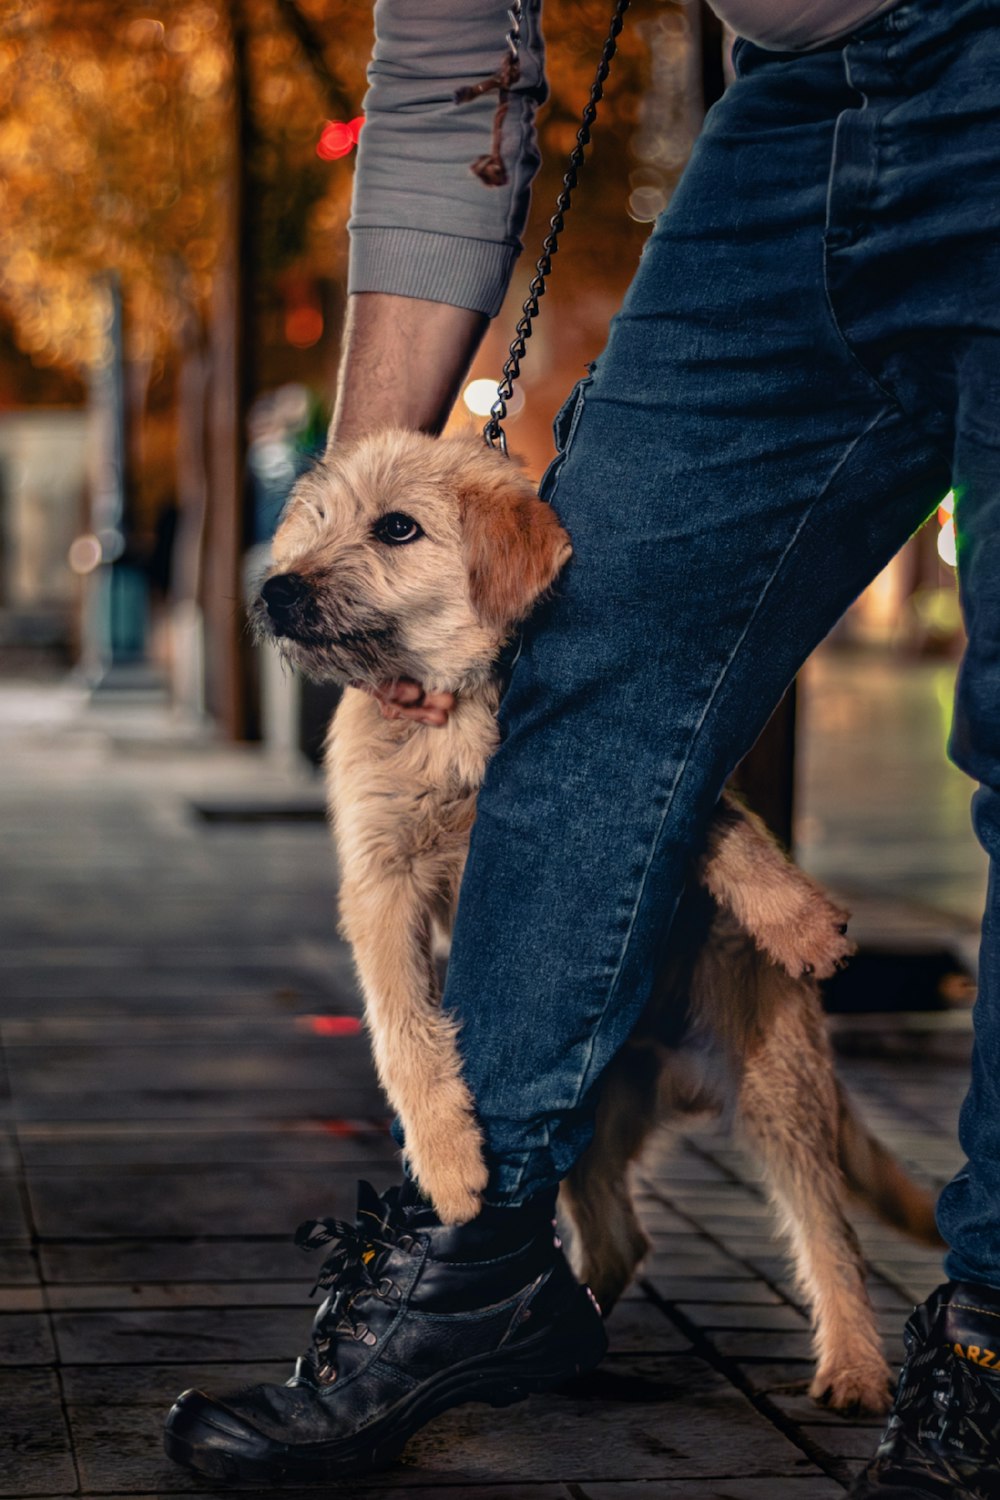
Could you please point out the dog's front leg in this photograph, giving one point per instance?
(386, 919)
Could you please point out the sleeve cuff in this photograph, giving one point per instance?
(436, 267)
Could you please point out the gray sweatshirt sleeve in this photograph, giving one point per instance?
(422, 224)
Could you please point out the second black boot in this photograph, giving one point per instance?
(419, 1317)
(942, 1439)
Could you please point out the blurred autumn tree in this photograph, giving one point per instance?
(144, 140)
(173, 143)
(115, 152)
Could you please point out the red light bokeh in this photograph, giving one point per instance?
(303, 326)
(336, 140)
(332, 1025)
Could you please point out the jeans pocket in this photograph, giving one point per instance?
(563, 428)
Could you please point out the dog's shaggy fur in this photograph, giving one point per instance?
(376, 599)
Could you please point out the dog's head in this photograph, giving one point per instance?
(407, 556)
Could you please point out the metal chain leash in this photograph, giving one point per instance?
(493, 432)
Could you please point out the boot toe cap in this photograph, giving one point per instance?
(206, 1435)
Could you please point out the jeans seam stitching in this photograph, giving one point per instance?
(693, 740)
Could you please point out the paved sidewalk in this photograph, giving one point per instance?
(185, 1081)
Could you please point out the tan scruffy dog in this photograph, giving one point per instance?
(406, 556)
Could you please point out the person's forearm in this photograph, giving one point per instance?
(402, 364)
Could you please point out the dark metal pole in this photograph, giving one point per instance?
(228, 686)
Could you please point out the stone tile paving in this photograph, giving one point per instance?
(183, 1081)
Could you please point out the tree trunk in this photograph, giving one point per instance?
(187, 635)
(227, 677)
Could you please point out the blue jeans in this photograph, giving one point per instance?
(807, 359)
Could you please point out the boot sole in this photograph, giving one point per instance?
(206, 1437)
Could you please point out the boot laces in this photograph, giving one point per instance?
(354, 1270)
(946, 1419)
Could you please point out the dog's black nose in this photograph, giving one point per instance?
(285, 595)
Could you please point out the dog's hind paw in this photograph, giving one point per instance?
(810, 940)
(854, 1391)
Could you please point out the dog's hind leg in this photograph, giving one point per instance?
(789, 916)
(788, 1107)
(385, 917)
(606, 1240)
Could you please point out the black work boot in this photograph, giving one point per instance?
(943, 1433)
(419, 1317)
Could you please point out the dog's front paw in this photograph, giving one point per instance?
(457, 1203)
(451, 1171)
(811, 940)
(857, 1390)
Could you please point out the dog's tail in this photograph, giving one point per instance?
(874, 1176)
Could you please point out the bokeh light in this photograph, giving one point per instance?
(303, 326)
(947, 544)
(330, 1025)
(85, 554)
(646, 203)
(480, 396)
(336, 140)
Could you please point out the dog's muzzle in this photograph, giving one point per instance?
(290, 604)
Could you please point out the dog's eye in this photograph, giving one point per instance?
(396, 528)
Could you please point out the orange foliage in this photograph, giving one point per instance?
(115, 153)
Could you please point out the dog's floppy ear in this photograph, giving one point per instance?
(514, 545)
